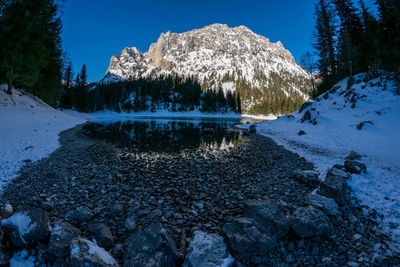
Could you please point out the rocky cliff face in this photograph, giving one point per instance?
(235, 59)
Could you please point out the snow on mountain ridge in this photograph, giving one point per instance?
(216, 54)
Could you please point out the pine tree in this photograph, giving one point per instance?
(350, 39)
(30, 54)
(325, 45)
(389, 13)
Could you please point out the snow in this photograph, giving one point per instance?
(22, 222)
(336, 134)
(21, 259)
(29, 131)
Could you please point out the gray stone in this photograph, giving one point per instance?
(334, 187)
(87, 253)
(353, 156)
(61, 236)
(207, 250)
(130, 223)
(246, 238)
(355, 166)
(79, 215)
(326, 204)
(309, 222)
(338, 172)
(102, 234)
(6, 211)
(150, 247)
(27, 227)
(308, 176)
(268, 216)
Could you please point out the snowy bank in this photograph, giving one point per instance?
(29, 130)
(360, 114)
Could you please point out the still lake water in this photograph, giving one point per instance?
(167, 134)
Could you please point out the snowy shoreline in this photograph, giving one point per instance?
(371, 128)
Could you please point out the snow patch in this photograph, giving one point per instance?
(29, 130)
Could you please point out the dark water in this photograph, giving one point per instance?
(167, 134)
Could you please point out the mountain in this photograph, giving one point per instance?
(265, 74)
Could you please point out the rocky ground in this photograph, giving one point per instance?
(95, 185)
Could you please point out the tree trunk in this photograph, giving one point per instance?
(10, 79)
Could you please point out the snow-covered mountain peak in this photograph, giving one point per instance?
(218, 55)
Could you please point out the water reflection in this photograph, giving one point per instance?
(166, 134)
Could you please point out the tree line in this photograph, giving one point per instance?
(31, 55)
(171, 93)
(350, 39)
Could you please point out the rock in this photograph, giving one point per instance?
(307, 222)
(309, 176)
(5, 252)
(325, 204)
(150, 247)
(86, 253)
(27, 227)
(253, 128)
(301, 132)
(268, 216)
(130, 223)
(334, 171)
(245, 238)
(208, 131)
(355, 166)
(353, 156)
(305, 105)
(60, 239)
(102, 234)
(7, 211)
(79, 215)
(334, 187)
(207, 250)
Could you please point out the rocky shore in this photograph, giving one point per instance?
(252, 204)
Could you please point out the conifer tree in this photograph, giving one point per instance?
(325, 45)
(349, 39)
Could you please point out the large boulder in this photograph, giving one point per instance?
(150, 247)
(268, 216)
(87, 253)
(102, 234)
(355, 166)
(307, 177)
(325, 204)
(334, 187)
(61, 236)
(27, 227)
(246, 238)
(207, 250)
(309, 222)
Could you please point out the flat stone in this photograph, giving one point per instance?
(327, 205)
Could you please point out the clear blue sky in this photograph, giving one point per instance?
(94, 30)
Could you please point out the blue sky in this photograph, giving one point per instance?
(94, 30)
